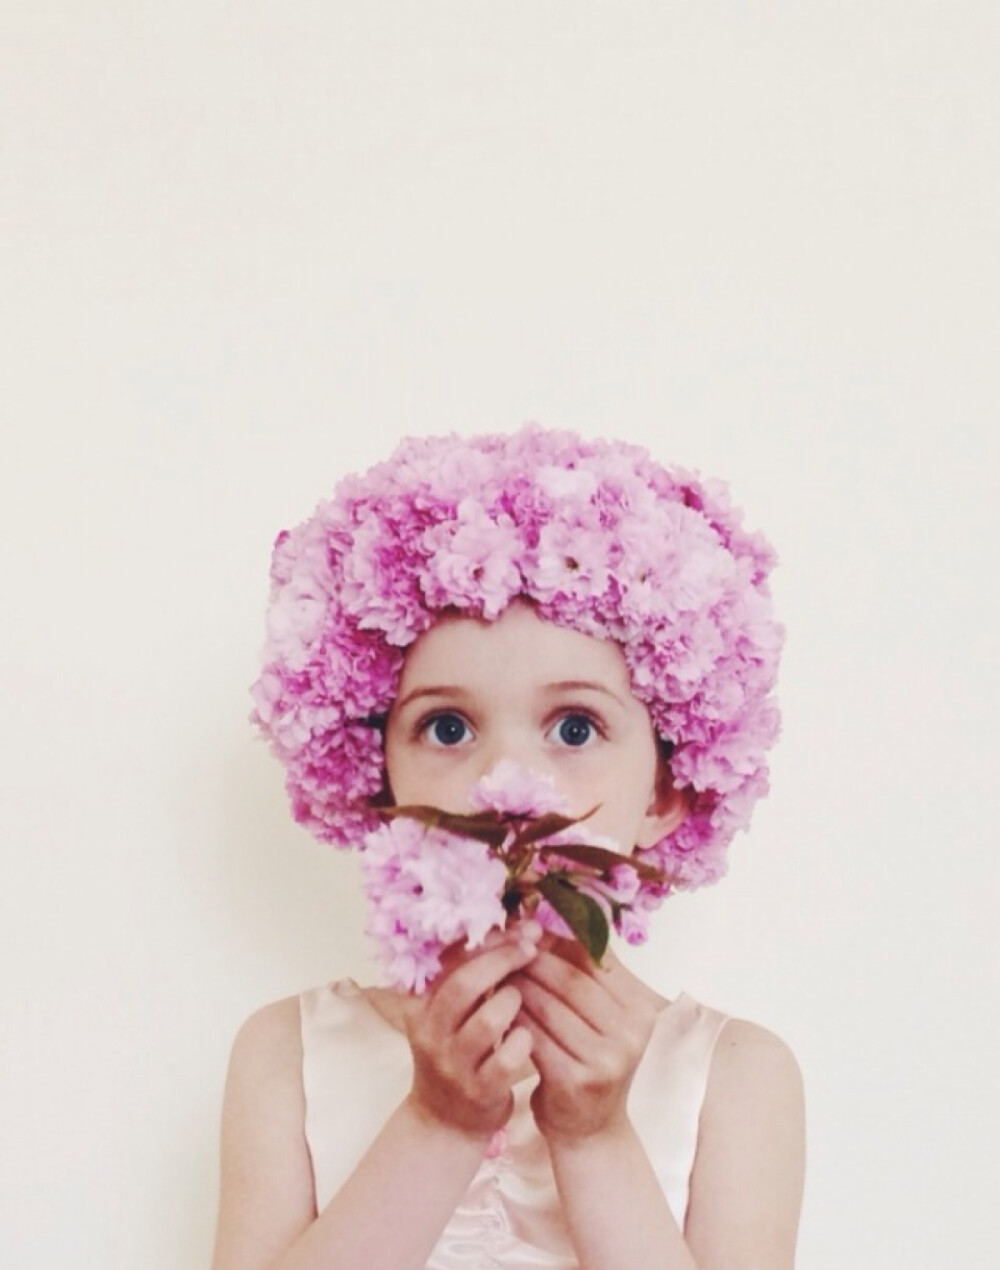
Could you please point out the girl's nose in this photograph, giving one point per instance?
(507, 746)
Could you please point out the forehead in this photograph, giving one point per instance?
(518, 645)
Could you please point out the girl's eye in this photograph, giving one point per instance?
(575, 729)
(446, 729)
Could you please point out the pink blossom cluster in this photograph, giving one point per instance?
(625, 900)
(515, 790)
(601, 538)
(428, 887)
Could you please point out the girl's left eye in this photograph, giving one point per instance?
(445, 729)
(575, 729)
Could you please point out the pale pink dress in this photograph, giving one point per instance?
(356, 1071)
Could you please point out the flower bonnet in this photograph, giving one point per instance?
(600, 538)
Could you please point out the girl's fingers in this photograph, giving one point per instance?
(485, 1028)
(612, 979)
(557, 1020)
(578, 989)
(457, 994)
(503, 1064)
(552, 1061)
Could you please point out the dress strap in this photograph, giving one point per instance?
(668, 1092)
(356, 1070)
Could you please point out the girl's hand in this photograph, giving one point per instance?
(467, 1050)
(589, 1028)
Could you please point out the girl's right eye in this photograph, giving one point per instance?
(445, 729)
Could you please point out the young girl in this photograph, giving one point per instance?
(605, 622)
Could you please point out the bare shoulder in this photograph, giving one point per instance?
(269, 1044)
(747, 1181)
(266, 1196)
(750, 1061)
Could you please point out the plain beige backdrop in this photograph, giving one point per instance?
(246, 246)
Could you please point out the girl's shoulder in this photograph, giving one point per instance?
(741, 1051)
(267, 1054)
(269, 1043)
(750, 1064)
(737, 1048)
(718, 1061)
(749, 1057)
(271, 1035)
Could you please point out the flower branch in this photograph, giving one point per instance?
(435, 877)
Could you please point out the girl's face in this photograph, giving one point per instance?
(554, 700)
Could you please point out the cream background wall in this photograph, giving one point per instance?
(245, 247)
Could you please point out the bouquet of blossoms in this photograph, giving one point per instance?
(434, 878)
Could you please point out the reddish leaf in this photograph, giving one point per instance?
(545, 826)
(483, 827)
(601, 858)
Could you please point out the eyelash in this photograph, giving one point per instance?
(424, 725)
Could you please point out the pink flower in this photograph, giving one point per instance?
(427, 889)
(601, 538)
(472, 561)
(430, 886)
(633, 925)
(515, 790)
(618, 891)
(571, 560)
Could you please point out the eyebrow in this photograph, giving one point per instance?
(433, 690)
(576, 685)
(455, 690)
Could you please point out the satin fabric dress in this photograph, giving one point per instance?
(357, 1069)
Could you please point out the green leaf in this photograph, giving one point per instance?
(581, 913)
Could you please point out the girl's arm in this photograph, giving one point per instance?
(394, 1206)
(746, 1185)
(589, 1033)
(749, 1171)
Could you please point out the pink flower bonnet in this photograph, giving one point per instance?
(600, 537)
